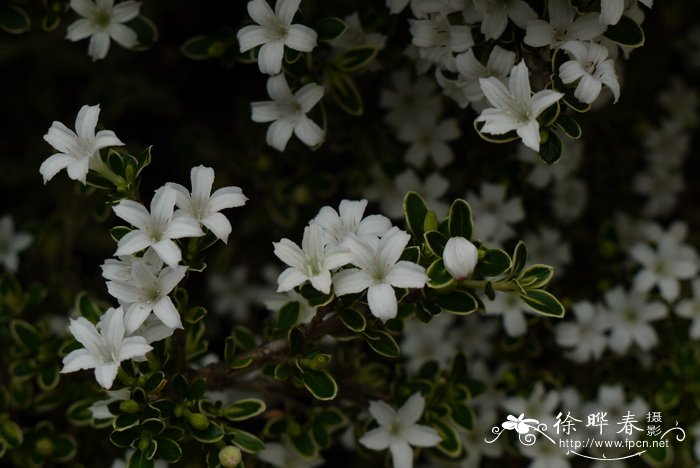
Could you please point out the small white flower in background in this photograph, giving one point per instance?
(539, 405)
(438, 40)
(284, 455)
(661, 185)
(629, 315)
(232, 293)
(103, 21)
(378, 269)
(470, 70)
(158, 228)
(668, 144)
(409, 99)
(287, 112)
(348, 221)
(515, 108)
(495, 212)
(398, 430)
(690, 309)
(204, 206)
(681, 102)
(11, 243)
(428, 342)
(274, 30)
(513, 311)
(611, 399)
(460, 257)
(100, 410)
(671, 261)
(587, 336)
(592, 67)
(546, 246)
(120, 269)
(105, 346)
(147, 291)
(79, 150)
(390, 193)
(312, 262)
(542, 175)
(429, 138)
(569, 199)
(495, 14)
(563, 26)
(355, 35)
(152, 330)
(475, 335)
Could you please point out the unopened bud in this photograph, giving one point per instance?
(460, 257)
(197, 420)
(230, 456)
(44, 447)
(128, 407)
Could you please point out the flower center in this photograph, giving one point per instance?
(103, 18)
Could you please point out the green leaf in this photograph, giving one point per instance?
(65, 448)
(346, 94)
(244, 338)
(304, 444)
(436, 242)
(411, 254)
(382, 343)
(11, 432)
(457, 302)
(356, 58)
(315, 297)
(88, 308)
(124, 439)
(536, 276)
(125, 421)
(244, 409)
(209, 435)
(140, 460)
(462, 415)
(320, 383)
(548, 117)
(283, 371)
(168, 449)
(495, 262)
(450, 444)
(330, 28)
(438, 275)
(296, 341)
(13, 19)
(195, 314)
(505, 138)
(79, 413)
(245, 440)
(543, 303)
(25, 335)
(626, 33)
(288, 316)
(48, 377)
(200, 47)
(461, 222)
(569, 126)
(519, 259)
(146, 32)
(353, 319)
(415, 210)
(117, 232)
(550, 149)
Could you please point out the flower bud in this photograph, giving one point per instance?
(460, 257)
(197, 420)
(230, 456)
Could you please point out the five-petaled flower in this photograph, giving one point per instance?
(101, 22)
(274, 30)
(592, 66)
(77, 151)
(515, 108)
(287, 112)
(398, 430)
(204, 206)
(105, 346)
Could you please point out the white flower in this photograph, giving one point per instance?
(312, 262)
(204, 206)
(397, 431)
(410, 99)
(232, 293)
(287, 112)
(158, 228)
(594, 69)
(563, 26)
(539, 405)
(274, 30)
(515, 108)
(147, 291)
(104, 348)
(355, 35)
(101, 22)
(690, 309)
(460, 257)
(569, 198)
(348, 221)
(390, 193)
(496, 13)
(396, 6)
(77, 153)
(510, 307)
(611, 11)
(428, 342)
(437, 40)
(546, 246)
(499, 64)
(429, 138)
(495, 213)
(11, 243)
(629, 315)
(612, 400)
(587, 336)
(378, 269)
(671, 261)
(284, 455)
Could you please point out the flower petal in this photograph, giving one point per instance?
(351, 281)
(382, 301)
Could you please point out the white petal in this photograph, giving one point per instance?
(168, 251)
(169, 278)
(165, 310)
(382, 412)
(202, 180)
(278, 89)
(611, 11)
(421, 436)
(227, 197)
(266, 111)
(279, 133)
(497, 122)
(133, 213)
(132, 242)
(570, 71)
(219, 225)
(412, 410)
(62, 138)
(401, 454)
(374, 225)
(182, 225)
(301, 38)
(285, 10)
(539, 33)
(382, 301)
(261, 13)
(84, 8)
(407, 275)
(86, 333)
(124, 36)
(53, 165)
(113, 330)
(106, 138)
(289, 253)
(250, 37)
(351, 281)
(519, 83)
(105, 374)
(308, 131)
(322, 282)
(308, 96)
(270, 57)
(80, 29)
(133, 346)
(163, 205)
(530, 134)
(376, 439)
(391, 246)
(290, 279)
(544, 99)
(135, 315)
(496, 93)
(79, 359)
(125, 11)
(78, 169)
(99, 45)
(588, 89)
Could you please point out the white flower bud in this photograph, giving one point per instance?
(460, 257)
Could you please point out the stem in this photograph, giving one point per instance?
(99, 166)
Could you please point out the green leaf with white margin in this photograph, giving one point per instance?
(168, 449)
(145, 30)
(356, 58)
(495, 262)
(345, 93)
(519, 259)
(209, 435)
(13, 19)
(330, 28)
(457, 302)
(244, 409)
(550, 149)
(415, 210)
(436, 242)
(505, 138)
(382, 343)
(461, 222)
(450, 444)
(569, 126)
(199, 47)
(320, 384)
(140, 460)
(543, 303)
(353, 319)
(626, 33)
(245, 440)
(438, 275)
(25, 335)
(288, 316)
(536, 276)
